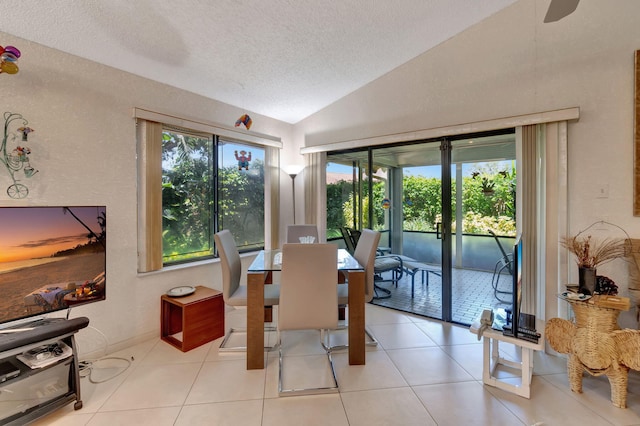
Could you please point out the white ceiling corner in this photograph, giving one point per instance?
(285, 59)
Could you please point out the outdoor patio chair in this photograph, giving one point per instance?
(350, 237)
(503, 265)
(383, 263)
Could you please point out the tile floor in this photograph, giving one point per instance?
(423, 372)
(472, 291)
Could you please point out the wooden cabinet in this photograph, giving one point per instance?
(190, 321)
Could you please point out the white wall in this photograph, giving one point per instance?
(513, 64)
(85, 148)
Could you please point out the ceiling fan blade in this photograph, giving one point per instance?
(558, 9)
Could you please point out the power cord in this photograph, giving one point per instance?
(87, 367)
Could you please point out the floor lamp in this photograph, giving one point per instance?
(293, 171)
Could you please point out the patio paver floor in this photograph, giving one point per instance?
(472, 292)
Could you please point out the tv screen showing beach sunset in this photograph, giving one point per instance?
(51, 258)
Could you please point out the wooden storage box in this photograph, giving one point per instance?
(190, 321)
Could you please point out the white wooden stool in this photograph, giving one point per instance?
(491, 359)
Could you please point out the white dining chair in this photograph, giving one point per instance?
(233, 293)
(308, 301)
(365, 253)
(295, 232)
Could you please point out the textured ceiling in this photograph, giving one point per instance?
(285, 59)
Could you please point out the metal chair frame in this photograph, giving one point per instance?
(317, 310)
(505, 263)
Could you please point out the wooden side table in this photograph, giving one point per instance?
(190, 321)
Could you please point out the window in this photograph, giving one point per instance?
(190, 185)
(187, 196)
(209, 184)
(241, 193)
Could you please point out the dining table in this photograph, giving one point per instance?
(261, 270)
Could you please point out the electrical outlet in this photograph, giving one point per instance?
(603, 191)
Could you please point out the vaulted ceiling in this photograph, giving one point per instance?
(285, 59)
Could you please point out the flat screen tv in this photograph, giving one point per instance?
(521, 325)
(511, 328)
(51, 258)
(517, 285)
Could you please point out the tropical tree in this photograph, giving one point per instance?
(241, 202)
(186, 189)
(422, 202)
(336, 194)
(488, 202)
(367, 203)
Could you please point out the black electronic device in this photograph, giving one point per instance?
(8, 371)
(519, 324)
(513, 314)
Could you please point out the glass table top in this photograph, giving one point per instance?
(271, 260)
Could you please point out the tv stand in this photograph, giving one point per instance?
(35, 392)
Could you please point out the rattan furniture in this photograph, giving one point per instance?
(595, 344)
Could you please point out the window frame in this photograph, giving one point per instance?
(149, 127)
(211, 172)
(218, 142)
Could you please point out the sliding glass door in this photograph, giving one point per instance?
(482, 223)
(413, 206)
(442, 206)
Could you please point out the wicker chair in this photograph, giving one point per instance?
(595, 344)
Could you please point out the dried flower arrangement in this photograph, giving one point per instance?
(591, 253)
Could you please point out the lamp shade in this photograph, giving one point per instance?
(293, 169)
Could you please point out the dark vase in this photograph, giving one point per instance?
(586, 280)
